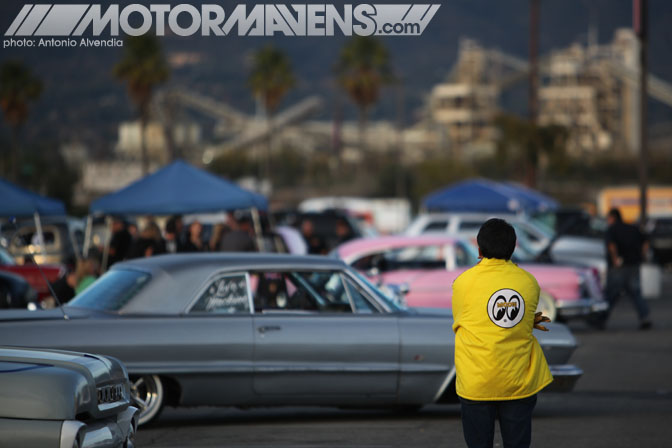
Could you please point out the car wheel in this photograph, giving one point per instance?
(547, 306)
(147, 393)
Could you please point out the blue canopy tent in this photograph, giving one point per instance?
(178, 188)
(18, 202)
(541, 202)
(482, 195)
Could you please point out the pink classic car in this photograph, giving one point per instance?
(428, 264)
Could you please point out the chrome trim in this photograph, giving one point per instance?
(449, 377)
(581, 307)
(70, 432)
(110, 393)
(449, 259)
(565, 377)
(382, 307)
(248, 285)
(347, 292)
(128, 421)
(565, 370)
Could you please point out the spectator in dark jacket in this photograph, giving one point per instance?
(194, 241)
(149, 242)
(238, 238)
(121, 241)
(626, 250)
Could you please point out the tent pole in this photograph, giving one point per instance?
(40, 235)
(257, 228)
(75, 245)
(271, 225)
(87, 235)
(108, 237)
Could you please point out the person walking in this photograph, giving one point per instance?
(626, 250)
(499, 364)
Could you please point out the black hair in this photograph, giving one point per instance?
(171, 225)
(496, 239)
(616, 214)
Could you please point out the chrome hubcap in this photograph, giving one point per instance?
(147, 394)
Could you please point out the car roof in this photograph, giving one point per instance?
(434, 215)
(171, 263)
(176, 278)
(364, 245)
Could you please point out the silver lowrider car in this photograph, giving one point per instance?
(64, 399)
(260, 330)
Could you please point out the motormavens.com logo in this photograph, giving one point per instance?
(54, 20)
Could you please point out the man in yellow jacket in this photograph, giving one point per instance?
(499, 363)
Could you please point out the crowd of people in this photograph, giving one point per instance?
(127, 242)
(236, 235)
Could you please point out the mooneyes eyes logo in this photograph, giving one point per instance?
(506, 308)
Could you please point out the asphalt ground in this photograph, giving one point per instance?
(624, 399)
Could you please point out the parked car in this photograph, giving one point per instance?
(325, 224)
(261, 330)
(31, 273)
(660, 238)
(15, 292)
(537, 239)
(429, 264)
(52, 398)
(63, 240)
(571, 221)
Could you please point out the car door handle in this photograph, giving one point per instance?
(268, 328)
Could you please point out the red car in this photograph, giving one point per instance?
(31, 273)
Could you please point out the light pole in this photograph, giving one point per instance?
(533, 86)
(640, 24)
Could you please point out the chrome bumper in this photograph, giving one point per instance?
(581, 307)
(112, 432)
(564, 378)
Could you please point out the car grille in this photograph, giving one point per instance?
(110, 394)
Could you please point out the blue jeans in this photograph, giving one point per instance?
(515, 422)
(625, 279)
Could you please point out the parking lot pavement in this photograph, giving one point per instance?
(623, 400)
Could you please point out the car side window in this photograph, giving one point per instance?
(469, 226)
(227, 294)
(530, 236)
(463, 256)
(435, 226)
(359, 300)
(314, 291)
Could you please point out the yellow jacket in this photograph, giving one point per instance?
(496, 355)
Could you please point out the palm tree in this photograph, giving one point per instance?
(142, 68)
(270, 79)
(363, 68)
(18, 87)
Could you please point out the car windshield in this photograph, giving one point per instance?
(112, 291)
(378, 293)
(5, 258)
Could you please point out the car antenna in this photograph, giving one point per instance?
(12, 220)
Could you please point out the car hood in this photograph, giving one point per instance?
(58, 385)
